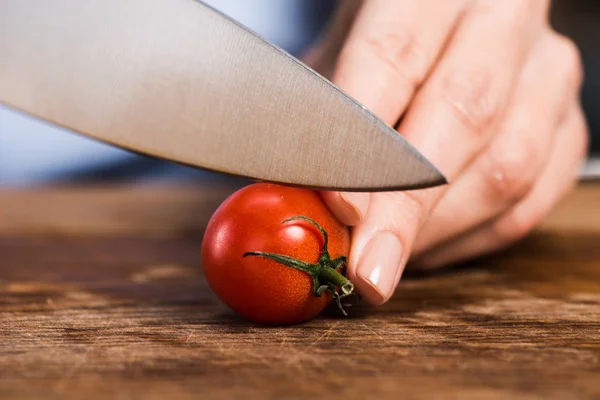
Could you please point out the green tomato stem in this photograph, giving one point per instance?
(324, 273)
(330, 275)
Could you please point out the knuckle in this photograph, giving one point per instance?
(414, 208)
(527, 8)
(470, 96)
(483, 7)
(581, 135)
(515, 13)
(514, 226)
(506, 172)
(401, 53)
(584, 142)
(567, 51)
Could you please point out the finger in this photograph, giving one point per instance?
(455, 113)
(388, 53)
(391, 48)
(465, 92)
(349, 208)
(449, 121)
(556, 181)
(506, 171)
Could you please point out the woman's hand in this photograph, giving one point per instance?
(488, 92)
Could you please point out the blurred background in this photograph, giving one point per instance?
(34, 153)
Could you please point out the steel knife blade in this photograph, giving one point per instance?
(178, 80)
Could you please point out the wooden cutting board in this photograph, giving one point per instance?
(101, 294)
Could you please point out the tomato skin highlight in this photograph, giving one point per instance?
(261, 289)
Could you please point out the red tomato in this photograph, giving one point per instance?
(264, 289)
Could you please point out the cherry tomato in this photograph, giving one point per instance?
(275, 254)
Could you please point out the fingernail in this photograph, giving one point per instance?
(355, 205)
(378, 267)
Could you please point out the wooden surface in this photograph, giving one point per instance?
(101, 294)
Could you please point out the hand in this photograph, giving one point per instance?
(488, 92)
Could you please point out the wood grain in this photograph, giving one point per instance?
(102, 295)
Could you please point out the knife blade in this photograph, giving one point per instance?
(178, 80)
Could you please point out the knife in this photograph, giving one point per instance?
(178, 80)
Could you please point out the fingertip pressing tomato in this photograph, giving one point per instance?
(276, 254)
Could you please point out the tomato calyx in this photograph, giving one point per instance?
(324, 273)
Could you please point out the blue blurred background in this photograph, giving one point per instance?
(33, 153)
